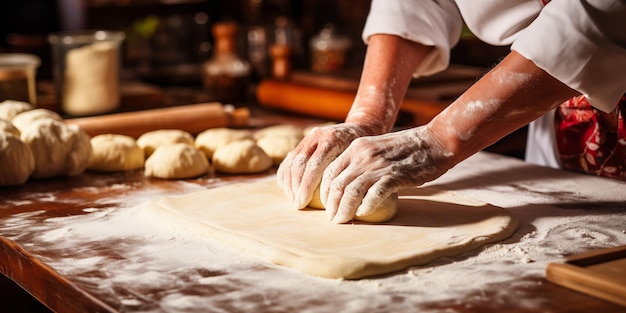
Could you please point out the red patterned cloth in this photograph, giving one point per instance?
(591, 141)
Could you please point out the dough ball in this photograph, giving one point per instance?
(24, 119)
(153, 139)
(176, 161)
(386, 211)
(209, 140)
(7, 127)
(10, 108)
(16, 160)
(241, 157)
(112, 153)
(277, 147)
(280, 130)
(59, 149)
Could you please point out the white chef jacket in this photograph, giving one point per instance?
(581, 43)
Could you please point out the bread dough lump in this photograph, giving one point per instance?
(16, 160)
(176, 161)
(25, 119)
(7, 127)
(59, 149)
(387, 210)
(10, 108)
(280, 130)
(209, 140)
(277, 147)
(153, 139)
(113, 152)
(241, 157)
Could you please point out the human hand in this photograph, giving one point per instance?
(301, 171)
(372, 168)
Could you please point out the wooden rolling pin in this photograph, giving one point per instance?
(193, 118)
(330, 104)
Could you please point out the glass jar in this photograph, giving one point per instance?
(328, 50)
(225, 74)
(86, 67)
(18, 77)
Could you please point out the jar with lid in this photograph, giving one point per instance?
(225, 74)
(18, 77)
(328, 50)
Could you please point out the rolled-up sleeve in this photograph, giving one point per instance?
(434, 23)
(582, 44)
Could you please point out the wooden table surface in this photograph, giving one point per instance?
(47, 252)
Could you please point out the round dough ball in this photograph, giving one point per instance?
(10, 108)
(16, 160)
(24, 119)
(241, 157)
(386, 211)
(113, 153)
(277, 147)
(7, 127)
(176, 161)
(209, 140)
(153, 139)
(59, 149)
(280, 130)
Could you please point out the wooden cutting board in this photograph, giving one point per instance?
(599, 273)
(257, 218)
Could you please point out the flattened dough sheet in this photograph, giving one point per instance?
(258, 218)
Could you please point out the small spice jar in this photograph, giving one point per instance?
(18, 77)
(225, 74)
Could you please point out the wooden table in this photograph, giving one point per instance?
(55, 244)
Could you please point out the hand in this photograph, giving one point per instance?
(374, 167)
(301, 171)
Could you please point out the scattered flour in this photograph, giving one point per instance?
(151, 266)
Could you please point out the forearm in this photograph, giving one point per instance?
(387, 72)
(510, 96)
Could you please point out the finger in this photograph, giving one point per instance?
(351, 199)
(376, 195)
(310, 180)
(332, 171)
(283, 175)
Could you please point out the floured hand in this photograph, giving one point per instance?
(372, 168)
(301, 171)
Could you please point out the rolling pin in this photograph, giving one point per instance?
(193, 118)
(331, 104)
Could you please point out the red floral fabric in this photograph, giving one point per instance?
(591, 141)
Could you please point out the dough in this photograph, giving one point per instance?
(258, 218)
(176, 161)
(90, 84)
(241, 157)
(59, 149)
(151, 140)
(385, 212)
(24, 119)
(209, 140)
(280, 130)
(7, 127)
(112, 153)
(277, 147)
(10, 108)
(16, 160)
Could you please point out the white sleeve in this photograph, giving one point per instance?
(430, 22)
(582, 44)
